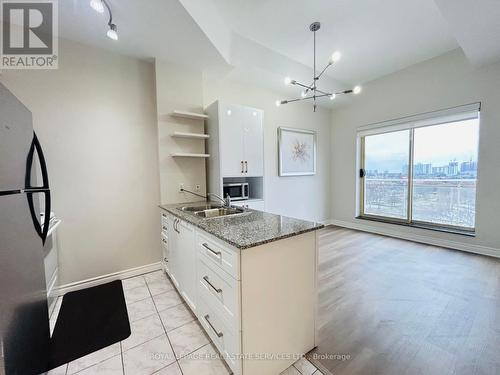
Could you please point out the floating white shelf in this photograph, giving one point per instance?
(186, 155)
(190, 135)
(191, 115)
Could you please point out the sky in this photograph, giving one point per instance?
(437, 144)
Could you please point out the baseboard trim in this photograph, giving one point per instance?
(470, 248)
(120, 275)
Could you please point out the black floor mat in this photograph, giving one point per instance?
(89, 320)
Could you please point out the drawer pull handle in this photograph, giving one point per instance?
(218, 253)
(219, 334)
(218, 290)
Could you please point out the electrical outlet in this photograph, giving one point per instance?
(181, 187)
(197, 187)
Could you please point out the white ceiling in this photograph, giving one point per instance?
(476, 26)
(253, 39)
(146, 29)
(376, 37)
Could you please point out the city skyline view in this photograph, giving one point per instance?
(444, 179)
(437, 145)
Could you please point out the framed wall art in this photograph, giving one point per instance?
(296, 152)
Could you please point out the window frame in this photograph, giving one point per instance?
(461, 113)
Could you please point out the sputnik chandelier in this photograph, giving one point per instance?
(311, 92)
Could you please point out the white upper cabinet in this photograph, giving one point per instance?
(241, 141)
(231, 137)
(253, 142)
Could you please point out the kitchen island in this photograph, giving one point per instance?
(250, 278)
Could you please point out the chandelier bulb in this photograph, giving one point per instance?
(336, 56)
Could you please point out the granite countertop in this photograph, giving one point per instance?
(249, 229)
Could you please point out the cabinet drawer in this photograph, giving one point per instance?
(220, 291)
(219, 255)
(227, 340)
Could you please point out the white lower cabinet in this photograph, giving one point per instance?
(220, 291)
(164, 241)
(182, 261)
(250, 302)
(205, 271)
(226, 339)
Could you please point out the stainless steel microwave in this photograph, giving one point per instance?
(237, 191)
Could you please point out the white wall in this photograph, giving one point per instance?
(96, 119)
(179, 89)
(305, 197)
(446, 81)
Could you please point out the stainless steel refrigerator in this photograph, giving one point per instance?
(24, 321)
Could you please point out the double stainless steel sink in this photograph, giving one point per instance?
(210, 210)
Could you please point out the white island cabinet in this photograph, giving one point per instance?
(257, 304)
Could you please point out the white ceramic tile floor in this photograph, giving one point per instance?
(305, 367)
(166, 338)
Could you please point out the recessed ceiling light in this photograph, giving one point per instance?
(229, 112)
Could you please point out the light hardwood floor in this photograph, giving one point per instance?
(399, 307)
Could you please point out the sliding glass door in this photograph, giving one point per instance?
(421, 175)
(386, 159)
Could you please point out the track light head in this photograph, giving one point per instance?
(112, 34)
(97, 5)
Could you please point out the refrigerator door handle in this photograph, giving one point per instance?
(41, 231)
(44, 189)
(46, 217)
(36, 146)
